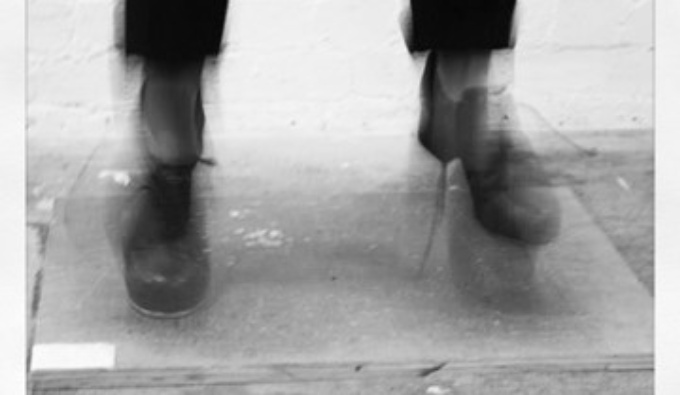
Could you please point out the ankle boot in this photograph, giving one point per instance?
(435, 115)
(171, 190)
(510, 190)
(508, 187)
(166, 271)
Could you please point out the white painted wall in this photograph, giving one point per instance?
(588, 64)
(326, 66)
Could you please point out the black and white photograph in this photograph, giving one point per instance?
(385, 197)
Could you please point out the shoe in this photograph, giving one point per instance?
(166, 272)
(511, 197)
(171, 188)
(508, 187)
(434, 109)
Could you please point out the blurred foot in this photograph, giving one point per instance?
(166, 273)
(512, 195)
(510, 191)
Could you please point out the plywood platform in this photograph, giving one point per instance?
(315, 245)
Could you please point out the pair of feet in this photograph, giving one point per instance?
(167, 275)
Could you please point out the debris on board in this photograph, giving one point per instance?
(239, 214)
(45, 204)
(623, 183)
(264, 238)
(437, 390)
(117, 176)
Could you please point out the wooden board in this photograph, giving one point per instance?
(315, 246)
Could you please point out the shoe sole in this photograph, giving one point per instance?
(160, 315)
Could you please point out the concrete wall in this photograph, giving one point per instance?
(324, 66)
(588, 64)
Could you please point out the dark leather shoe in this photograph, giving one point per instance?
(510, 191)
(512, 195)
(166, 270)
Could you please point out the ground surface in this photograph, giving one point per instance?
(552, 383)
(615, 182)
(613, 175)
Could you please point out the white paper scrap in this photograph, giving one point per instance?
(71, 356)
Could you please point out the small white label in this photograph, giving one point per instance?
(60, 356)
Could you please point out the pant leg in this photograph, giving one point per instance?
(458, 25)
(171, 110)
(173, 38)
(174, 30)
(461, 35)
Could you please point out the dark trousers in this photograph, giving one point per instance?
(174, 37)
(456, 25)
(174, 30)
